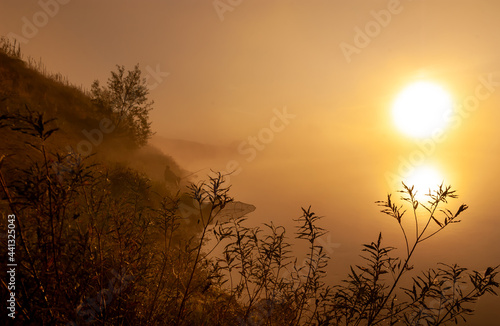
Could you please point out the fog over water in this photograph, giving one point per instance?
(295, 99)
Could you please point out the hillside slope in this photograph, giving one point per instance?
(82, 127)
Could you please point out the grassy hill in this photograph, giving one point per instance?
(24, 86)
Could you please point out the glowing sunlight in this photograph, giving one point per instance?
(421, 109)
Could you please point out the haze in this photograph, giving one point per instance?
(290, 96)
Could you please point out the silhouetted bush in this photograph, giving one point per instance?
(125, 100)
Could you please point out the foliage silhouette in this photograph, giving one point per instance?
(369, 299)
(125, 99)
(100, 247)
(100, 243)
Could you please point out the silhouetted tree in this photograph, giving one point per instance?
(126, 98)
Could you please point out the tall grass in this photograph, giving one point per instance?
(12, 48)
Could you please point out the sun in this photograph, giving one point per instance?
(421, 109)
(424, 178)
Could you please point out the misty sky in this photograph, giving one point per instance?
(313, 82)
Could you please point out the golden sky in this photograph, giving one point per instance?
(225, 68)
